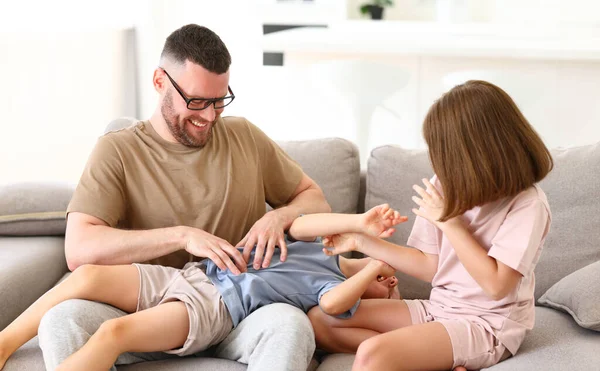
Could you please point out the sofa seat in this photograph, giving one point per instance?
(574, 349)
(29, 358)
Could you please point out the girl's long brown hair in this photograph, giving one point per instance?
(481, 147)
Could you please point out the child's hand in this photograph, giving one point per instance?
(378, 221)
(340, 243)
(385, 270)
(431, 202)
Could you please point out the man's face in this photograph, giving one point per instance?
(191, 127)
(382, 289)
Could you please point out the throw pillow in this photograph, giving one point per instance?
(579, 295)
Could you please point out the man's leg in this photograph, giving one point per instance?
(274, 337)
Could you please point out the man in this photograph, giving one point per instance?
(183, 186)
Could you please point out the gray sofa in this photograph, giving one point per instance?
(32, 257)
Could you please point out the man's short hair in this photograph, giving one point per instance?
(198, 45)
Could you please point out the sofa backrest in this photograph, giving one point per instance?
(334, 164)
(573, 190)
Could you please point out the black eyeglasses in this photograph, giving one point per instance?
(198, 104)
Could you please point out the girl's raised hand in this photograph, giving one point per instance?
(378, 221)
(431, 202)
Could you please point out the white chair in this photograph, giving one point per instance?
(363, 85)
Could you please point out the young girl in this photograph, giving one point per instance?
(479, 231)
(186, 311)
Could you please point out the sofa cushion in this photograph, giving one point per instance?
(579, 295)
(391, 172)
(334, 164)
(29, 266)
(34, 209)
(555, 343)
(572, 189)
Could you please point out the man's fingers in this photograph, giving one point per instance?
(283, 248)
(248, 247)
(243, 241)
(270, 250)
(215, 259)
(236, 255)
(259, 252)
(225, 259)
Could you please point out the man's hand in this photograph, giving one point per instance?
(378, 221)
(340, 243)
(205, 245)
(265, 234)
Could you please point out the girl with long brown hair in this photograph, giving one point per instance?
(480, 227)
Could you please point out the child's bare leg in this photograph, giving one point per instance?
(408, 348)
(114, 285)
(161, 328)
(372, 317)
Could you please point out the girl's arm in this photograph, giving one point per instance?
(408, 260)
(345, 295)
(376, 222)
(495, 278)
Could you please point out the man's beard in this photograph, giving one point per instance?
(177, 127)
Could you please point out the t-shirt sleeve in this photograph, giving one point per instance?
(347, 314)
(281, 175)
(424, 235)
(100, 191)
(518, 242)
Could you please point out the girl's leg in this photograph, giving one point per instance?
(115, 285)
(372, 317)
(420, 347)
(161, 328)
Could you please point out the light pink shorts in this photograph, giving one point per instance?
(210, 321)
(472, 345)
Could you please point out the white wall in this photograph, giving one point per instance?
(67, 69)
(69, 55)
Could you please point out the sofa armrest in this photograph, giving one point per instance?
(29, 266)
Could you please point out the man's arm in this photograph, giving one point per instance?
(90, 240)
(268, 231)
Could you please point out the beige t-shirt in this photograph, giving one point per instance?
(136, 180)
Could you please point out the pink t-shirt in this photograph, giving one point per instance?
(512, 231)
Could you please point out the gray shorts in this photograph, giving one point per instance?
(210, 321)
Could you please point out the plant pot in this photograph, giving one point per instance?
(375, 11)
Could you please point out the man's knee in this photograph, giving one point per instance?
(285, 318)
(61, 315)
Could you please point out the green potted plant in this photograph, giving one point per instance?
(375, 8)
